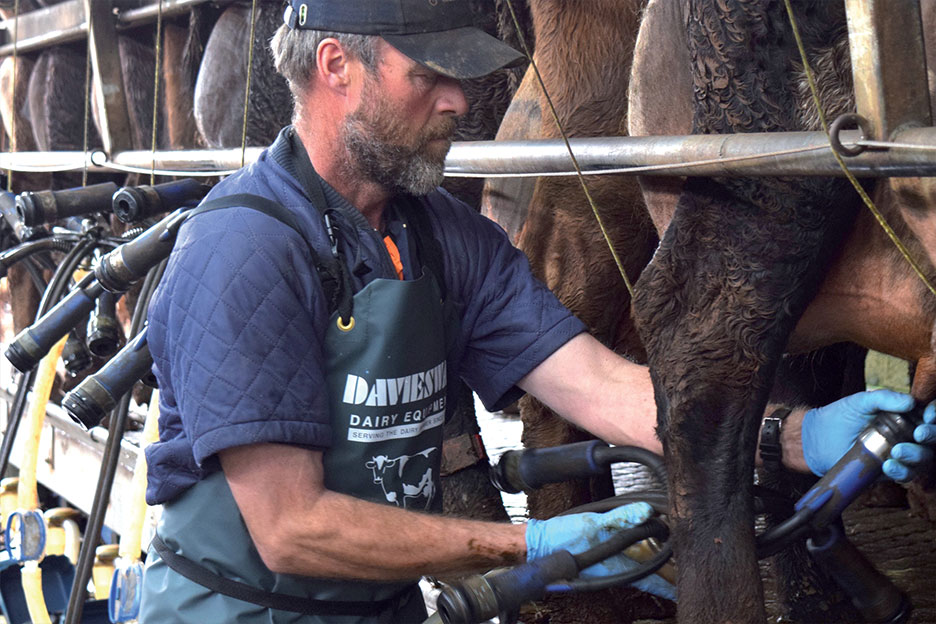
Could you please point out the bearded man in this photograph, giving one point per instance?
(309, 337)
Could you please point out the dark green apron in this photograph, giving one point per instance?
(386, 377)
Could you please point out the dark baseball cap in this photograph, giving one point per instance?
(440, 34)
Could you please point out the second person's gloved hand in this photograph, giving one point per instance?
(828, 432)
(577, 533)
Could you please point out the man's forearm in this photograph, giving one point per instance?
(612, 398)
(299, 527)
(384, 543)
(598, 390)
(791, 440)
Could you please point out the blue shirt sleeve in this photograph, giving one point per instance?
(236, 335)
(510, 321)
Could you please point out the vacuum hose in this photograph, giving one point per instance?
(39, 207)
(134, 203)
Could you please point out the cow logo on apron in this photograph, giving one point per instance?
(406, 480)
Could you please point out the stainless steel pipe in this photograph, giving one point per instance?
(913, 153)
(762, 154)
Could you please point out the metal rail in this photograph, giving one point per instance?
(911, 153)
(67, 22)
(755, 154)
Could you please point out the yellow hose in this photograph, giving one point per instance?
(27, 493)
(62, 534)
(32, 588)
(130, 539)
(72, 541)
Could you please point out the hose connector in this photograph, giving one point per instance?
(99, 393)
(135, 203)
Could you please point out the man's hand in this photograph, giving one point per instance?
(580, 532)
(908, 460)
(828, 432)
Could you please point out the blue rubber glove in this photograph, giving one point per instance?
(580, 532)
(828, 432)
(908, 460)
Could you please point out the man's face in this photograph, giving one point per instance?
(397, 136)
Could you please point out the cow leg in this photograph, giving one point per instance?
(466, 489)
(734, 271)
(715, 308)
(183, 46)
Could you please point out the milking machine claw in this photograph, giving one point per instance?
(817, 512)
(501, 592)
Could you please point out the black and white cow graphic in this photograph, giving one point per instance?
(406, 480)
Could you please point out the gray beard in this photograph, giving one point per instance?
(396, 168)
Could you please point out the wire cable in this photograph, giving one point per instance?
(250, 50)
(87, 110)
(565, 138)
(13, 140)
(156, 87)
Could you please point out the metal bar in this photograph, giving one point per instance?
(764, 154)
(65, 22)
(761, 154)
(189, 160)
(46, 161)
(59, 23)
(108, 76)
(134, 17)
(888, 64)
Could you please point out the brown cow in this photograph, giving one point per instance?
(583, 51)
(545, 233)
(741, 260)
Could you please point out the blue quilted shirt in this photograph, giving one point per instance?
(237, 322)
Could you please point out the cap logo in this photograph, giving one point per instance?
(303, 13)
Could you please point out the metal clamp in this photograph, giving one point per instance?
(123, 603)
(839, 124)
(25, 535)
